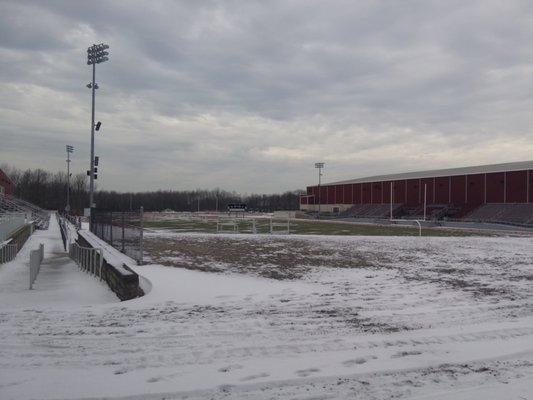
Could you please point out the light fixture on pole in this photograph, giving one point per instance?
(70, 150)
(319, 166)
(96, 54)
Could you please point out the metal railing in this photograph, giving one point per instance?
(63, 229)
(36, 258)
(122, 230)
(8, 251)
(88, 259)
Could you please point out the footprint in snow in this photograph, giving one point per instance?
(355, 361)
(121, 371)
(256, 376)
(228, 368)
(306, 372)
(406, 353)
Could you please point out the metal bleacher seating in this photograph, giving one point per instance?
(10, 204)
(371, 210)
(517, 214)
(433, 211)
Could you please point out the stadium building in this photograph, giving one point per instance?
(487, 192)
(6, 185)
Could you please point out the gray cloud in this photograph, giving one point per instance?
(247, 95)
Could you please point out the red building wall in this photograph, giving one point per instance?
(428, 184)
(376, 193)
(398, 189)
(458, 189)
(530, 199)
(366, 187)
(495, 187)
(516, 187)
(442, 190)
(413, 191)
(474, 189)
(323, 197)
(339, 194)
(6, 183)
(386, 192)
(348, 196)
(357, 196)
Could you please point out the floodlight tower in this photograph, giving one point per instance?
(319, 166)
(96, 54)
(70, 149)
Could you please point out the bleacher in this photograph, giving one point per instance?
(516, 214)
(10, 204)
(433, 212)
(371, 211)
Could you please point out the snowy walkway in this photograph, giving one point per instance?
(59, 282)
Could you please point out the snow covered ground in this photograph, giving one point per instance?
(345, 317)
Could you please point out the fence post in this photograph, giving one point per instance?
(101, 261)
(111, 227)
(141, 236)
(123, 231)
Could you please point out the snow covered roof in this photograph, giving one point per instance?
(480, 169)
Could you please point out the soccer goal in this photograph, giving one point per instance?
(280, 228)
(227, 226)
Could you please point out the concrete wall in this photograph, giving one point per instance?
(125, 286)
(20, 236)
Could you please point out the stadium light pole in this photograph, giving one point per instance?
(425, 199)
(96, 54)
(319, 166)
(70, 149)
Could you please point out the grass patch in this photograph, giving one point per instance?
(302, 227)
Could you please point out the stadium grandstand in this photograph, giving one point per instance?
(498, 193)
(10, 205)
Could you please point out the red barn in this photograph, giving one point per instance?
(6, 185)
(460, 189)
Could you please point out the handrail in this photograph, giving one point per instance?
(8, 251)
(36, 258)
(88, 259)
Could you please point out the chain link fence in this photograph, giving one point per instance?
(121, 229)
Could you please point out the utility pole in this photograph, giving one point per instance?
(96, 54)
(70, 149)
(319, 166)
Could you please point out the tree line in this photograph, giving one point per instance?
(48, 190)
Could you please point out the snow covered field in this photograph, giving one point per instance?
(297, 317)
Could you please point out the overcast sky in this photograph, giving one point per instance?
(247, 96)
